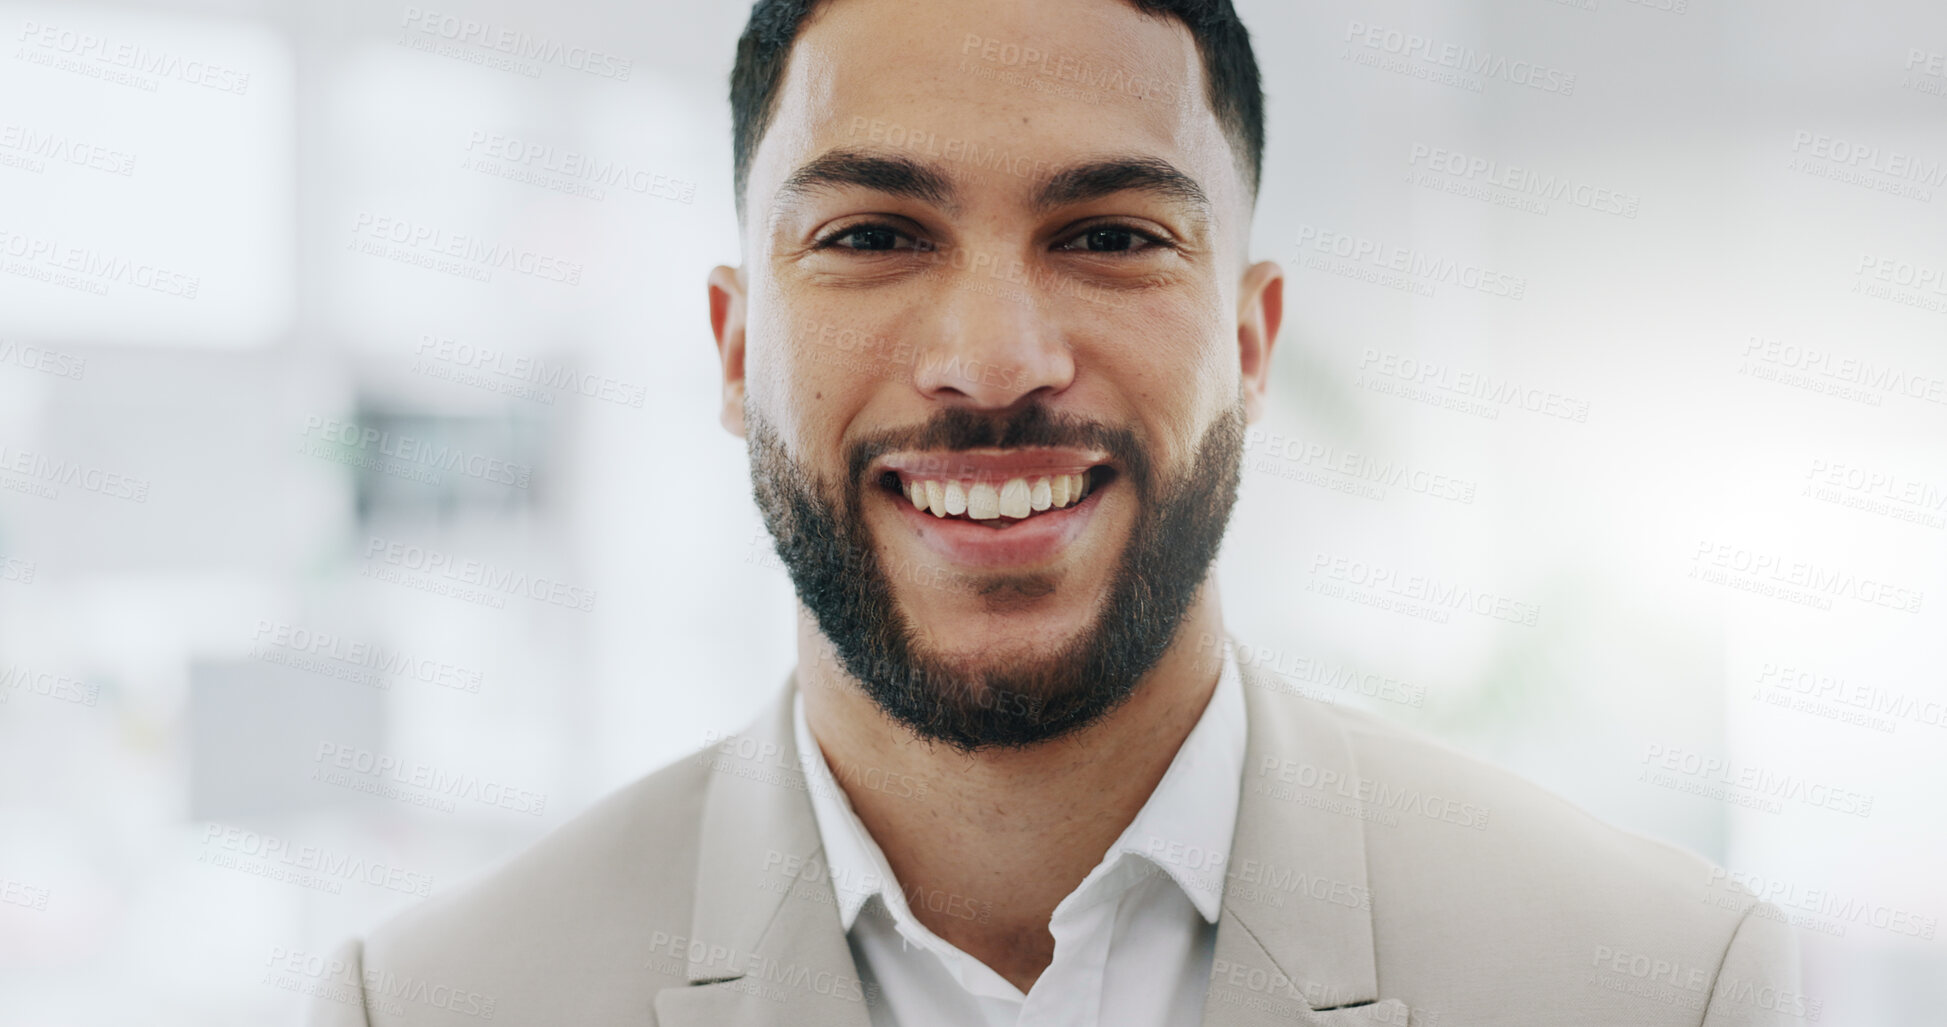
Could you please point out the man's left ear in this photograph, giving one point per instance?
(1260, 310)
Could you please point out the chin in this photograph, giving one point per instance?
(1016, 617)
(983, 647)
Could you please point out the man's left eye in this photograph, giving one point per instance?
(1109, 239)
(870, 237)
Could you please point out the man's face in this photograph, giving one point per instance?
(995, 260)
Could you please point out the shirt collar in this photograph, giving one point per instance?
(1184, 829)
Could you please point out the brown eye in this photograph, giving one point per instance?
(870, 239)
(1111, 239)
(1105, 240)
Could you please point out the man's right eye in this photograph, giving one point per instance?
(870, 238)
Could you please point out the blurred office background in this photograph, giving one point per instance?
(1622, 319)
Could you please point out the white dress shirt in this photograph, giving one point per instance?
(1133, 941)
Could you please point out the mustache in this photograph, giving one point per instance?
(1034, 424)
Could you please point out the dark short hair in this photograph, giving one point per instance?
(1229, 68)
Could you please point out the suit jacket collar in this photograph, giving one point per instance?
(766, 946)
(1295, 944)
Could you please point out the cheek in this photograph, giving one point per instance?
(1199, 351)
(785, 375)
(1167, 355)
(829, 352)
(805, 374)
(1177, 363)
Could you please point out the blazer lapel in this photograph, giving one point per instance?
(1294, 942)
(1248, 988)
(766, 948)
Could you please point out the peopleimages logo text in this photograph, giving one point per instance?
(1465, 60)
(516, 43)
(478, 573)
(409, 450)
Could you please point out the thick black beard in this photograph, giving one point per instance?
(829, 553)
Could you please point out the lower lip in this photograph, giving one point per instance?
(1037, 539)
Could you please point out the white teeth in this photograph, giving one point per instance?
(983, 502)
(1014, 498)
(1038, 495)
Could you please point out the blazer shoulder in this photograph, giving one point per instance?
(1481, 881)
(587, 903)
(1461, 843)
(1502, 815)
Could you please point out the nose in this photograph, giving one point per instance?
(990, 342)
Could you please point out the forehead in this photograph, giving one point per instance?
(998, 92)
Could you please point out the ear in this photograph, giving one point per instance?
(1260, 310)
(727, 324)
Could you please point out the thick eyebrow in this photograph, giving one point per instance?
(1095, 179)
(896, 174)
(892, 174)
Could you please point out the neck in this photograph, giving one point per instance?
(1006, 833)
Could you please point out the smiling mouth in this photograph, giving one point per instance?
(995, 502)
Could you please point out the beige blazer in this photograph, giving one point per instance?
(1376, 877)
